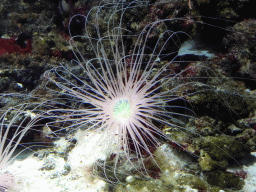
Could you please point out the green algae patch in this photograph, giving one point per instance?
(145, 186)
(192, 181)
(224, 180)
(207, 163)
(223, 147)
(218, 104)
(200, 2)
(171, 181)
(249, 136)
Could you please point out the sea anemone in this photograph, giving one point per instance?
(126, 100)
(15, 123)
(124, 88)
(122, 96)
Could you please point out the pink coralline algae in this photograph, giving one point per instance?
(10, 46)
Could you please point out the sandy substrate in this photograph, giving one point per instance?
(250, 180)
(54, 174)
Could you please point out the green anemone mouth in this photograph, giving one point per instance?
(122, 109)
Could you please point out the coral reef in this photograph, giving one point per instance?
(217, 127)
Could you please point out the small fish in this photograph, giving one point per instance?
(66, 6)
